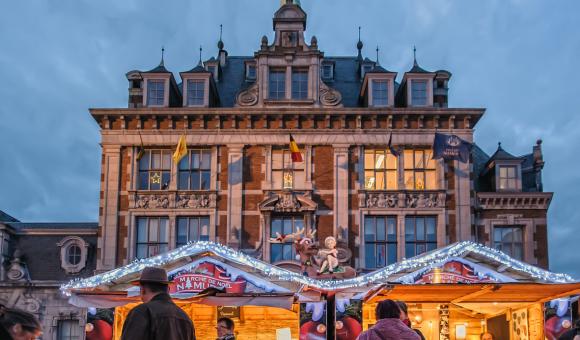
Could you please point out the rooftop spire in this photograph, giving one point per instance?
(415, 56)
(220, 42)
(377, 54)
(162, 63)
(200, 50)
(359, 46)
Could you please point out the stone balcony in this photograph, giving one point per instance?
(396, 199)
(172, 199)
(514, 200)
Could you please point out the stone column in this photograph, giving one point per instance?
(235, 181)
(109, 220)
(340, 206)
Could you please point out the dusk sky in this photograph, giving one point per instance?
(517, 58)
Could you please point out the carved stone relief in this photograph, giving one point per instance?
(329, 96)
(248, 97)
(402, 200)
(152, 201)
(195, 201)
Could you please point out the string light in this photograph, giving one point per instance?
(377, 277)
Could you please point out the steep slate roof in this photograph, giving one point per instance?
(502, 155)
(346, 79)
(232, 80)
(4, 217)
(159, 69)
(417, 69)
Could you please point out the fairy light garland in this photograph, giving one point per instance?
(378, 276)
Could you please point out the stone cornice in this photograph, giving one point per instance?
(514, 200)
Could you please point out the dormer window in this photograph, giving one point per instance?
(251, 72)
(195, 92)
(508, 178)
(380, 92)
(327, 71)
(277, 84)
(299, 84)
(73, 254)
(155, 92)
(419, 92)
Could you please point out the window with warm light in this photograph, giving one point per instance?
(380, 169)
(508, 178)
(285, 173)
(420, 171)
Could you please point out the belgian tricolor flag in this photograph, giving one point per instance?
(296, 155)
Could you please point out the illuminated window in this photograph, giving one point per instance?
(380, 170)
(284, 225)
(380, 241)
(155, 170)
(152, 236)
(508, 178)
(420, 235)
(419, 170)
(509, 239)
(190, 229)
(195, 170)
(155, 92)
(285, 173)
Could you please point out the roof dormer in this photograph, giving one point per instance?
(160, 88)
(416, 88)
(378, 88)
(504, 170)
(199, 89)
(213, 67)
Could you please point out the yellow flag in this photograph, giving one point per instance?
(181, 150)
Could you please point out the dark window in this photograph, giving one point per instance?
(420, 235)
(154, 170)
(194, 170)
(251, 72)
(418, 92)
(380, 170)
(509, 239)
(155, 92)
(277, 84)
(380, 93)
(136, 83)
(380, 241)
(327, 71)
(190, 229)
(73, 254)
(285, 173)
(284, 226)
(419, 170)
(300, 84)
(508, 178)
(68, 330)
(152, 236)
(195, 92)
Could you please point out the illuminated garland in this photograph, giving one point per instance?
(378, 276)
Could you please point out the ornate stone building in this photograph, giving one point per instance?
(238, 186)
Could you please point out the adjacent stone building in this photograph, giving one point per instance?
(238, 186)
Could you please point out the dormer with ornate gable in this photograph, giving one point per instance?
(288, 72)
(378, 88)
(198, 85)
(160, 88)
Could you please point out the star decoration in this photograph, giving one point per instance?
(156, 178)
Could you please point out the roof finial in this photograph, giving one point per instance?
(220, 43)
(359, 33)
(377, 54)
(359, 46)
(414, 55)
(162, 63)
(200, 50)
(499, 145)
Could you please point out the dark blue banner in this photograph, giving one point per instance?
(451, 147)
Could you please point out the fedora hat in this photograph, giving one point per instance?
(154, 275)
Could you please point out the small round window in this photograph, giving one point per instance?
(74, 254)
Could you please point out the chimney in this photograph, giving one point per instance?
(538, 164)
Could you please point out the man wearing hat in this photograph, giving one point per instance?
(158, 318)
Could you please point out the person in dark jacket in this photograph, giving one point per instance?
(225, 329)
(389, 325)
(158, 318)
(17, 324)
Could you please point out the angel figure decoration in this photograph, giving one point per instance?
(329, 256)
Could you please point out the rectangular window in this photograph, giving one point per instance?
(155, 92)
(380, 93)
(299, 84)
(155, 170)
(285, 173)
(284, 225)
(277, 84)
(508, 178)
(327, 71)
(418, 92)
(420, 235)
(380, 241)
(68, 330)
(152, 236)
(510, 240)
(191, 229)
(419, 170)
(380, 170)
(251, 72)
(195, 170)
(195, 92)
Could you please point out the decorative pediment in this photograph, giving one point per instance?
(288, 202)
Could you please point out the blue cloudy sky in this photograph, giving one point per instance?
(517, 58)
